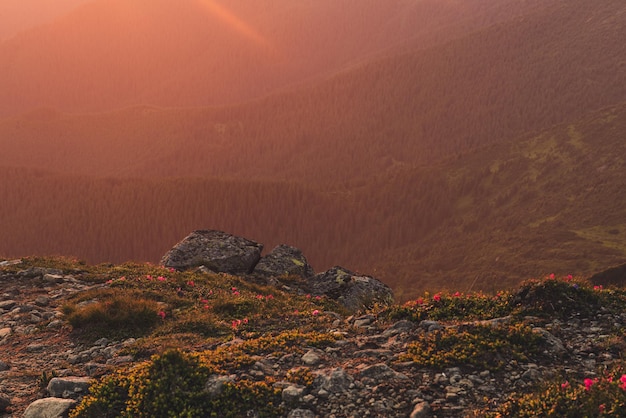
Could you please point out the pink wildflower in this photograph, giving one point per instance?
(245, 320)
(149, 277)
(420, 301)
(315, 312)
(565, 385)
(233, 289)
(109, 281)
(269, 297)
(551, 276)
(437, 297)
(623, 380)
(569, 278)
(191, 283)
(457, 294)
(236, 293)
(308, 296)
(172, 269)
(588, 383)
(597, 287)
(204, 301)
(260, 297)
(206, 306)
(162, 314)
(601, 408)
(161, 279)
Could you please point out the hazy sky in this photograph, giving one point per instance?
(20, 15)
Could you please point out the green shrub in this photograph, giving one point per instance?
(457, 306)
(485, 346)
(604, 396)
(115, 315)
(172, 385)
(560, 298)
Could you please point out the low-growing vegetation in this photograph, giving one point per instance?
(191, 327)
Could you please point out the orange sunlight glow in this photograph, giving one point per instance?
(236, 23)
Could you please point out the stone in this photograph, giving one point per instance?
(5, 332)
(68, 387)
(335, 381)
(49, 408)
(5, 402)
(7, 304)
(292, 394)
(215, 250)
(311, 358)
(352, 290)
(301, 413)
(215, 385)
(284, 260)
(421, 410)
(4, 366)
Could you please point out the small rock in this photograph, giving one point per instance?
(4, 366)
(301, 413)
(292, 394)
(7, 305)
(421, 410)
(215, 385)
(311, 358)
(5, 402)
(4, 332)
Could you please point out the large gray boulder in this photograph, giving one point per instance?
(68, 387)
(352, 290)
(49, 408)
(284, 259)
(216, 250)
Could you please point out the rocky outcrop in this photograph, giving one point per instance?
(284, 260)
(354, 291)
(215, 250)
(225, 253)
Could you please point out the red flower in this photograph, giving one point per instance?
(588, 383)
(437, 297)
(565, 385)
(162, 314)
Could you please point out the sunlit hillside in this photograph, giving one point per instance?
(423, 145)
(112, 53)
(406, 110)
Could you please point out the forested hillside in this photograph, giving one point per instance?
(550, 202)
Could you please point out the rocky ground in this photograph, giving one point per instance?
(359, 375)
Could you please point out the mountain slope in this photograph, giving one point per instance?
(113, 53)
(407, 110)
(548, 202)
